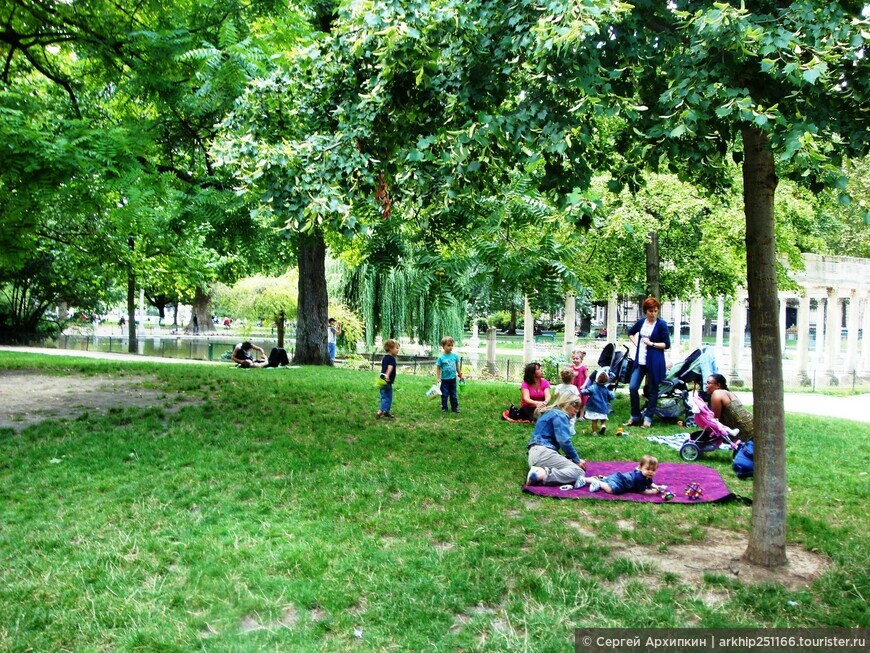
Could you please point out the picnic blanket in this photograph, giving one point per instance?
(677, 476)
(676, 440)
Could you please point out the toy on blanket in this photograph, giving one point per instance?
(694, 491)
(666, 494)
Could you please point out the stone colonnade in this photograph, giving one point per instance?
(838, 286)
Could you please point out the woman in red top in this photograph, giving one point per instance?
(535, 391)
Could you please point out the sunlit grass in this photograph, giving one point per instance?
(277, 513)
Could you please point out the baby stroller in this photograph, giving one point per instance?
(712, 436)
(617, 364)
(673, 400)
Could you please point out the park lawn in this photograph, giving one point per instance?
(278, 514)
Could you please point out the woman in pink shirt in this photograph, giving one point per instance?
(535, 391)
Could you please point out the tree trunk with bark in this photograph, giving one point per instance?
(279, 326)
(311, 336)
(202, 310)
(653, 272)
(512, 325)
(767, 530)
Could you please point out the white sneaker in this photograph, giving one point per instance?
(537, 476)
(580, 482)
(594, 485)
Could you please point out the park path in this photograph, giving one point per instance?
(854, 407)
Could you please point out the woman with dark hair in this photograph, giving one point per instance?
(534, 391)
(728, 407)
(651, 338)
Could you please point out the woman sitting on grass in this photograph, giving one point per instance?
(534, 391)
(727, 407)
(552, 432)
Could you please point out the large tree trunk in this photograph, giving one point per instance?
(279, 325)
(311, 335)
(653, 275)
(767, 531)
(202, 310)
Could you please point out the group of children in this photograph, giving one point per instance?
(594, 393)
(447, 373)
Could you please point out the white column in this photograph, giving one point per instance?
(612, 322)
(528, 334)
(696, 323)
(865, 337)
(570, 324)
(490, 350)
(736, 342)
(676, 350)
(782, 327)
(833, 317)
(820, 332)
(474, 342)
(720, 326)
(852, 333)
(803, 338)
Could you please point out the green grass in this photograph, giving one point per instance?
(278, 514)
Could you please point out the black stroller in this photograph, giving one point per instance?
(673, 400)
(617, 364)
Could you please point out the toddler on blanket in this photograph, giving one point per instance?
(640, 480)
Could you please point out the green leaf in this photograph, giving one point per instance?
(812, 75)
(678, 131)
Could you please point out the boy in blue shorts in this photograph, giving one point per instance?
(446, 372)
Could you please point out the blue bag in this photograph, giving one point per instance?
(743, 464)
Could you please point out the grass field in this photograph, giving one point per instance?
(275, 513)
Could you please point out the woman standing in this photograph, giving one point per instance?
(534, 391)
(552, 433)
(728, 407)
(651, 338)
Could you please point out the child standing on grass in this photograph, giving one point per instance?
(640, 480)
(567, 387)
(581, 378)
(388, 374)
(446, 372)
(600, 398)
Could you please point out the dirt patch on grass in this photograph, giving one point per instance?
(28, 398)
(720, 553)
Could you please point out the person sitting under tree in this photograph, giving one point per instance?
(243, 358)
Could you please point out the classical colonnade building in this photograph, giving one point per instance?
(831, 300)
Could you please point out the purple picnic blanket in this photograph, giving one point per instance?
(677, 476)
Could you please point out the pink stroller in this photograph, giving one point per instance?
(712, 435)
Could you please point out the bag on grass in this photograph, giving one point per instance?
(277, 357)
(744, 464)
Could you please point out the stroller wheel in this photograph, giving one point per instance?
(690, 451)
(690, 421)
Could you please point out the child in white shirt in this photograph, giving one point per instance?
(567, 387)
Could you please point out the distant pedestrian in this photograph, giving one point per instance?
(333, 330)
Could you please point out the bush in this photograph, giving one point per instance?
(501, 320)
(551, 365)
